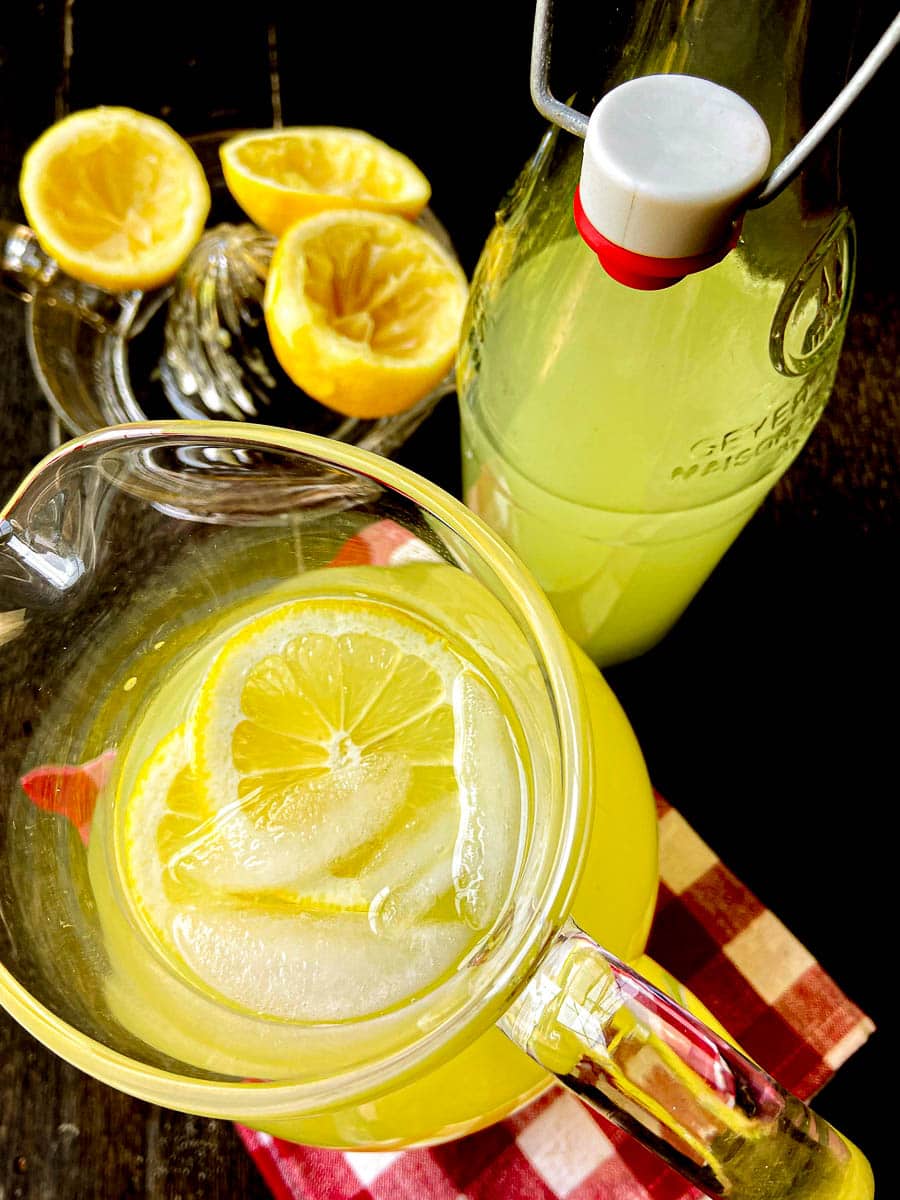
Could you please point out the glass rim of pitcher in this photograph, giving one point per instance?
(482, 1005)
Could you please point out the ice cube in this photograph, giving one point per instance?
(313, 968)
(394, 909)
(491, 790)
(251, 846)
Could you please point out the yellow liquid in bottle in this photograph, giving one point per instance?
(620, 440)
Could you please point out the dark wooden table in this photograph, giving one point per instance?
(769, 715)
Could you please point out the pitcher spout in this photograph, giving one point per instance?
(33, 572)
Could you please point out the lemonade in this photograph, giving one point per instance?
(309, 792)
(321, 797)
(332, 850)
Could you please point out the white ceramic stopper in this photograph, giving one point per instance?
(667, 161)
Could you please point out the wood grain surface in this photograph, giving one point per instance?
(769, 715)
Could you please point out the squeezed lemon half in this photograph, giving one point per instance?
(280, 175)
(117, 197)
(364, 310)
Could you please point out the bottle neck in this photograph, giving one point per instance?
(787, 58)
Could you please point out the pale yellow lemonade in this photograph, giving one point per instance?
(621, 477)
(323, 789)
(317, 813)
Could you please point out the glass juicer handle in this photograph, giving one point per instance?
(652, 1068)
(26, 271)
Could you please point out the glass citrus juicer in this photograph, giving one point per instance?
(195, 348)
(160, 936)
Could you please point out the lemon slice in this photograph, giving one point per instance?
(338, 819)
(364, 310)
(322, 731)
(118, 198)
(278, 176)
(321, 722)
(177, 851)
(320, 960)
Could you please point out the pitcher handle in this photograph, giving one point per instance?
(652, 1068)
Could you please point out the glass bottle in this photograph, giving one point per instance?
(619, 439)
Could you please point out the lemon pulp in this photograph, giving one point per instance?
(364, 310)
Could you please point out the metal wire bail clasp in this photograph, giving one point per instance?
(779, 178)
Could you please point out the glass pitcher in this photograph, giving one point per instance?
(131, 552)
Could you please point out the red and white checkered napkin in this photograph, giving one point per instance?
(719, 940)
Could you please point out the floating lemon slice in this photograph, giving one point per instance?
(304, 957)
(178, 851)
(337, 818)
(324, 716)
(278, 176)
(115, 196)
(364, 310)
